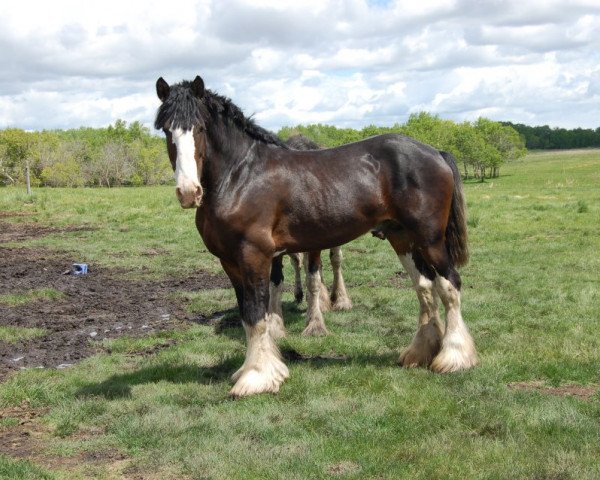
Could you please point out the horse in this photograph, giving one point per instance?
(255, 198)
(317, 298)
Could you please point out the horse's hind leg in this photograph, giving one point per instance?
(296, 259)
(339, 295)
(277, 327)
(315, 324)
(458, 349)
(426, 343)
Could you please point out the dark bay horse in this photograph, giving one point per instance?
(255, 199)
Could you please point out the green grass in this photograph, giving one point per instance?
(23, 470)
(23, 298)
(11, 334)
(531, 297)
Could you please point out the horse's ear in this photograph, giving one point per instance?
(198, 87)
(162, 89)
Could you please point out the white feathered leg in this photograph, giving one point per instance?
(458, 349)
(263, 370)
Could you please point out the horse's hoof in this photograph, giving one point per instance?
(455, 355)
(342, 303)
(315, 330)
(252, 381)
(411, 358)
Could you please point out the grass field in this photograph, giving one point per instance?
(531, 297)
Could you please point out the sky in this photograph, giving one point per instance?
(66, 64)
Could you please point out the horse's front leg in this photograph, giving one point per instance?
(263, 370)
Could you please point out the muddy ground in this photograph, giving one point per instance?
(96, 306)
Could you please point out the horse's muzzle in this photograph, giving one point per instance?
(189, 198)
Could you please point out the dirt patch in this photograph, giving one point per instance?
(401, 280)
(20, 439)
(93, 307)
(15, 232)
(14, 214)
(584, 392)
(28, 439)
(343, 468)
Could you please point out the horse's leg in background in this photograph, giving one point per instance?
(458, 349)
(263, 369)
(314, 318)
(426, 342)
(296, 259)
(324, 298)
(275, 291)
(339, 295)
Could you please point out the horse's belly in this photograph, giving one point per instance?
(326, 232)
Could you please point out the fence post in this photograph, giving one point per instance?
(27, 179)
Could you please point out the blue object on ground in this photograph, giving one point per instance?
(80, 269)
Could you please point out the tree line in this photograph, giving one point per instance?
(120, 154)
(129, 154)
(545, 138)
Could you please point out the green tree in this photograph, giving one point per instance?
(15, 149)
(151, 165)
(430, 129)
(505, 139)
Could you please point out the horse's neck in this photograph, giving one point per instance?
(227, 153)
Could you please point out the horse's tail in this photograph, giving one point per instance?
(456, 230)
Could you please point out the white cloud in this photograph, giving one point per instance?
(349, 63)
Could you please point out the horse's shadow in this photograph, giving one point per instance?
(226, 323)
(120, 386)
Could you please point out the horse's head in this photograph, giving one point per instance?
(181, 118)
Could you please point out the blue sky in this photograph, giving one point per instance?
(346, 63)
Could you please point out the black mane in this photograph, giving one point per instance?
(184, 110)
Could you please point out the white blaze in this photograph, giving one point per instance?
(186, 170)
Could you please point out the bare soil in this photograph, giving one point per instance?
(102, 304)
(30, 440)
(583, 392)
